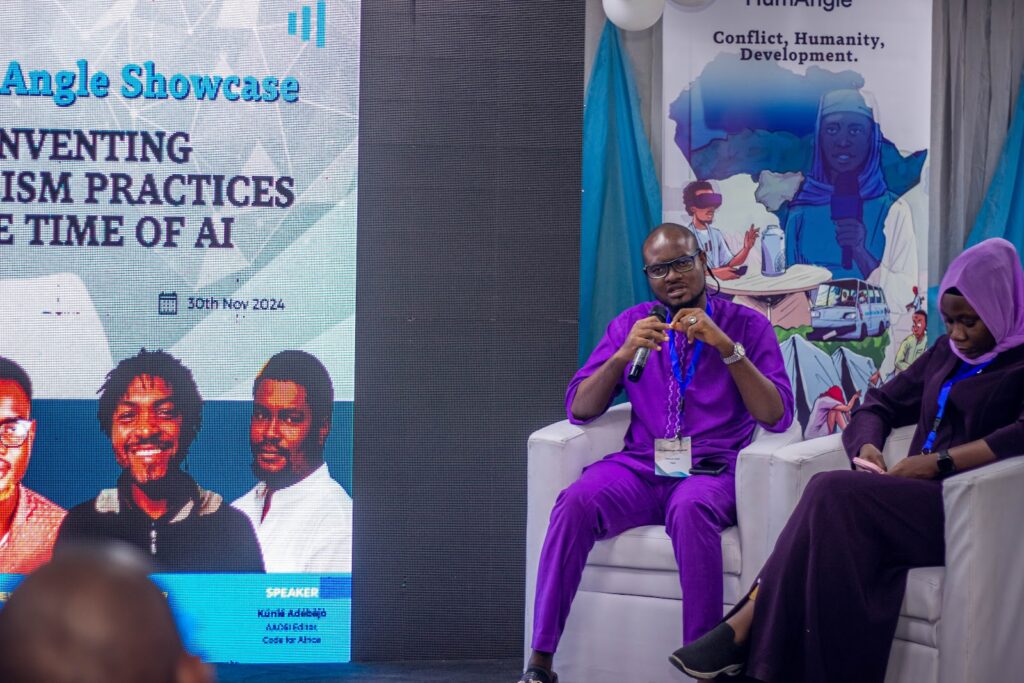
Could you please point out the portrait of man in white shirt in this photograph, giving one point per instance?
(302, 517)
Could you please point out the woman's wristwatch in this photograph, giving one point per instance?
(945, 463)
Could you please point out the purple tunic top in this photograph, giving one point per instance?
(715, 417)
(988, 406)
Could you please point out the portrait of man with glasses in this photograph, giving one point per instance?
(713, 373)
(28, 521)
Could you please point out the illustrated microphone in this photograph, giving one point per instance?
(847, 203)
(640, 357)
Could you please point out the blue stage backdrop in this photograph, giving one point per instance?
(182, 176)
(811, 122)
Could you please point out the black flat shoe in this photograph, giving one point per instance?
(712, 654)
(538, 675)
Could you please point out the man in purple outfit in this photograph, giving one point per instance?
(714, 373)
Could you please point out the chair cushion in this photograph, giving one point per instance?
(649, 547)
(917, 631)
(648, 583)
(922, 607)
(923, 597)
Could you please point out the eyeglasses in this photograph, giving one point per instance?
(14, 433)
(683, 264)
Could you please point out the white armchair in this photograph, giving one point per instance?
(627, 616)
(962, 622)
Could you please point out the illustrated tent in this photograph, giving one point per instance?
(811, 372)
(854, 371)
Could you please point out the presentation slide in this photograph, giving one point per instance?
(178, 185)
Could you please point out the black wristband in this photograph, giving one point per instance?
(945, 463)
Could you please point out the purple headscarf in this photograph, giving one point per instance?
(989, 276)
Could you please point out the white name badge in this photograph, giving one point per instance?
(673, 457)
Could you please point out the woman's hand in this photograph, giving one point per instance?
(924, 466)
(873, 455)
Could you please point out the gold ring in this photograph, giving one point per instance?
(692, 320)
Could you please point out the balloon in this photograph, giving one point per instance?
(634, 15)
(692, 4)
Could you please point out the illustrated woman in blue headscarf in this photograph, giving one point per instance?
(837, 218)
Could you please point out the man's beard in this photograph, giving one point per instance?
(164, 487)
(706, 224)
(273, 480)
(287, 476)
(692, 301)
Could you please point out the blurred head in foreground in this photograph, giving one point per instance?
(93, 616)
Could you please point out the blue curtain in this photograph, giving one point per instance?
(621, 195)
(1002, 212)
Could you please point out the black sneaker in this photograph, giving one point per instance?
(712, 654)
(537, 675)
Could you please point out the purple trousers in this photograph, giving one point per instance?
(610, 498)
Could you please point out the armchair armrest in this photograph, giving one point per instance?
(753, 470)
(556, 455)
(771, 477)
(983, 592)
(897, 446)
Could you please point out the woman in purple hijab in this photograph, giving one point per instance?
(827, 600)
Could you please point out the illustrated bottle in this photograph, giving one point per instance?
(773, 251)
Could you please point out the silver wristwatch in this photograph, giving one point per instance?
(738, 354)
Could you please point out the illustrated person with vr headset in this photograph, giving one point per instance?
(701, 201)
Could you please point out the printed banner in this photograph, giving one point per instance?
(796, 150)
(177, 299)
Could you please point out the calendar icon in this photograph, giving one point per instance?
(167, 303)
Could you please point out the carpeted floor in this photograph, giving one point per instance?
(480, 671)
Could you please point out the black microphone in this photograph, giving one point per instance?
(847, 203)
(640, 357)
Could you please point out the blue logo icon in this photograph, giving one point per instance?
(321, 22)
